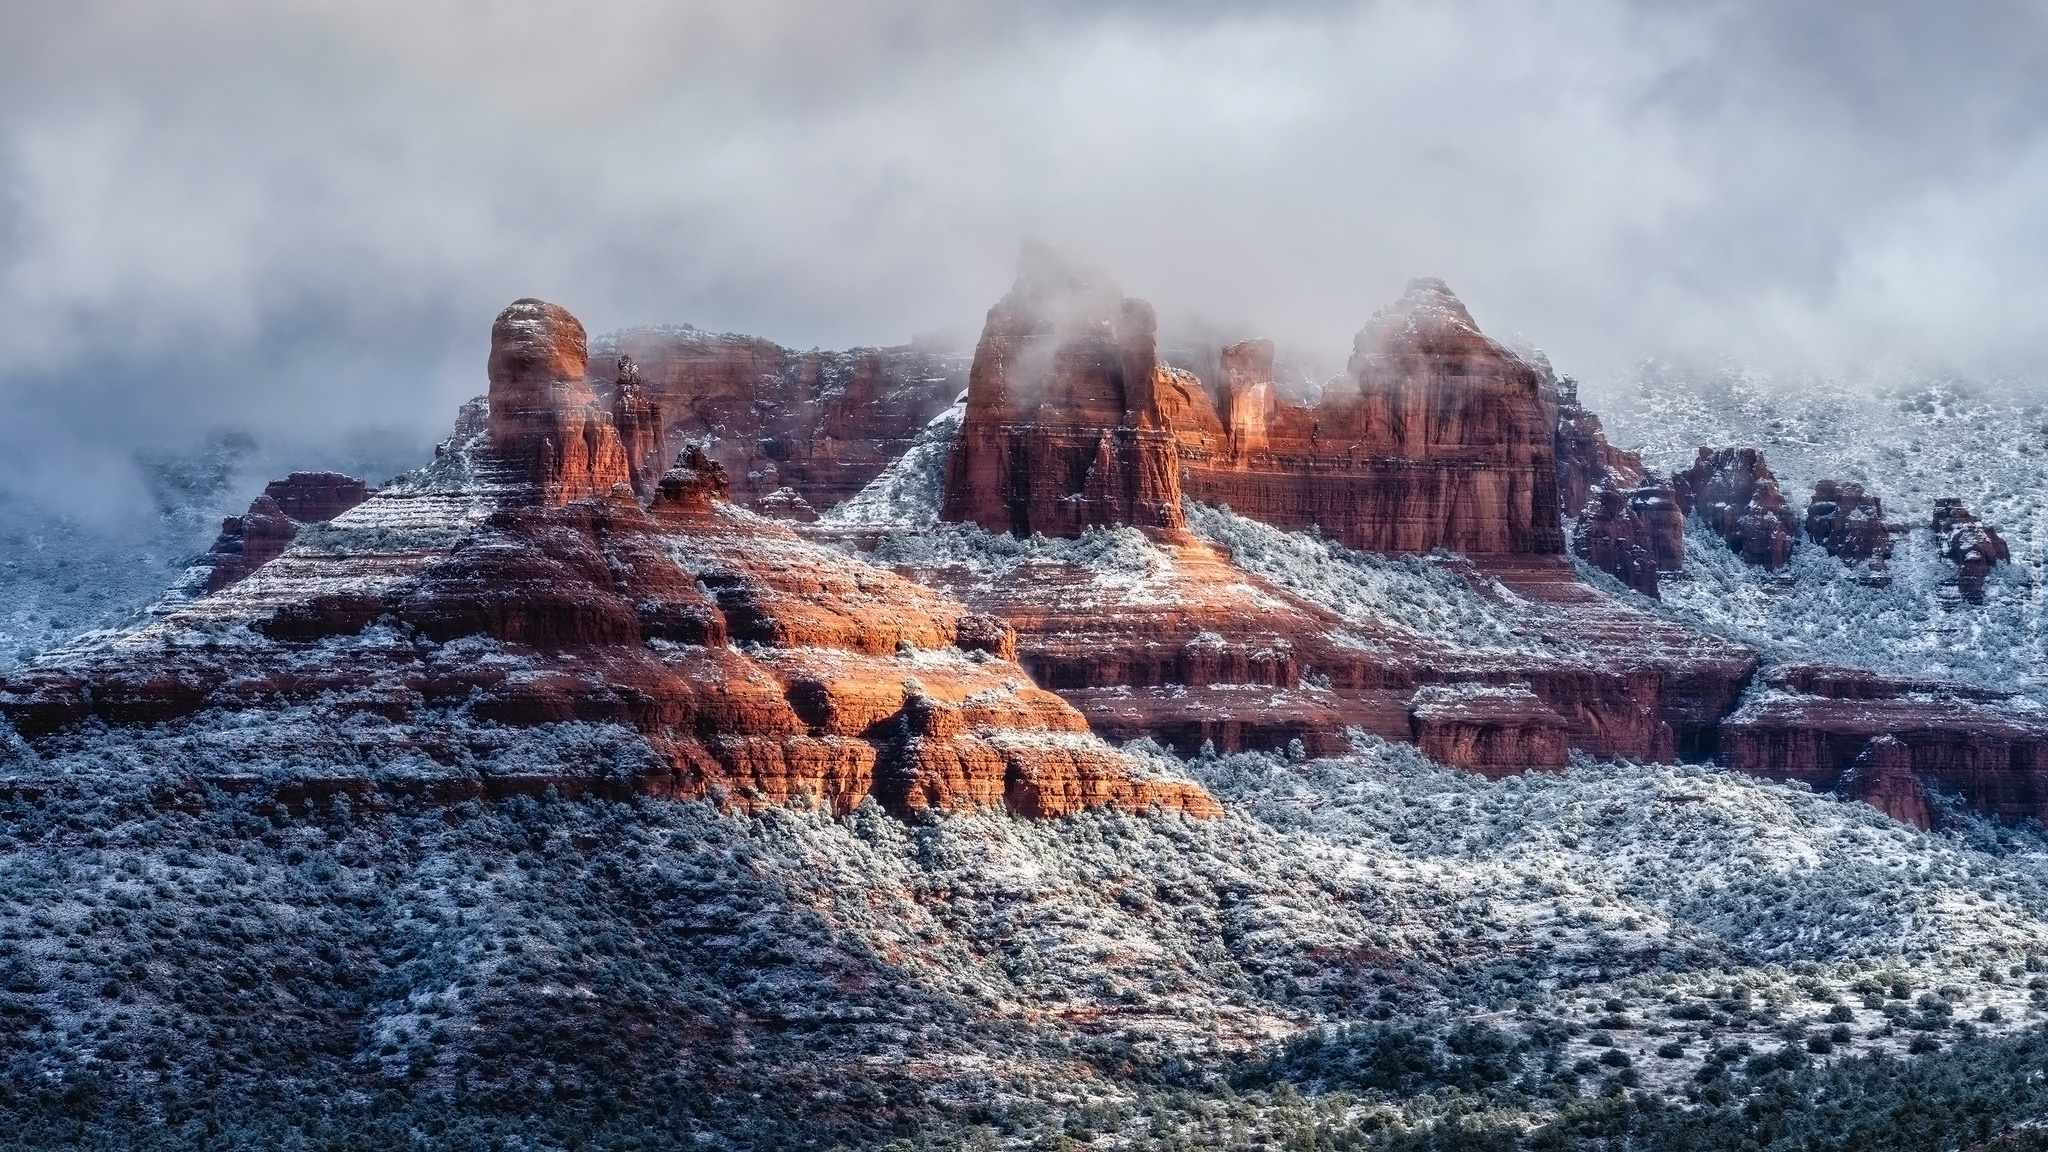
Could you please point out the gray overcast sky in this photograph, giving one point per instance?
(299, 216)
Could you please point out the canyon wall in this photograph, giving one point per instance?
(820, 424)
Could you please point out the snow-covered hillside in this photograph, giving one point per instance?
(1909, 445)
(1620, 928)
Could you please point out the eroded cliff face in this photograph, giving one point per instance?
(1849, 523)
(1436, 437)
(255, 538)
(496, 588)
(819, 424)
(1628, 523)
(1735, 492)
(1866, 735)
(545, 422)
(1974, 547)
(1064, 428)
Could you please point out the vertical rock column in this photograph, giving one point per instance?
(545, 422)
(1063, 431)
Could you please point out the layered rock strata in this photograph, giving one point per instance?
(1194, 650)
(491, 591)
(255, 538)
(1974, 547)
(546, 423)
(1736, 494)
(1435, 437)
(1863, 734)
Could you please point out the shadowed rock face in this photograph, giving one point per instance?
(545, 421)
(1436, 437)
(819, 423)
(1860, 733)
(1883, 778)
(1063, 429)
(1737, 494)
(641, 432)
(1629, 525)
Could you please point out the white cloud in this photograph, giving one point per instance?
(301, 217)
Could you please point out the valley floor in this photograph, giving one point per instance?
(1364, 951)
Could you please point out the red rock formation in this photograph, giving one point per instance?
(1439, 438)
(637, 418)
(1493, 731)
(1817, 724)
(1197, 651)
(1063, 429)
(311, 497)
(1629, 526)
(820, 423)
(249, 541)
(257, 537)
(546, 424)
(1630, 535)
(1882, 777)
(1849, 523)
(1735, 492)
(1436, 438)
(740, 661)
(1973, 546)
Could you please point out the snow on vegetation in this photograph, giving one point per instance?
(1908, 444)
(1409, 591)
(1670, 915)
(909, 489)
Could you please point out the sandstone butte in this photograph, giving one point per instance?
(520, 581)
(1435, 438)
(549, 567)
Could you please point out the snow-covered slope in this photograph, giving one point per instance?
(546, 959)
(1909, 445)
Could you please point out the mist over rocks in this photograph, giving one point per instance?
(1063, 430)
(520, 581)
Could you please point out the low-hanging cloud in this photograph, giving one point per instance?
(300, 217)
